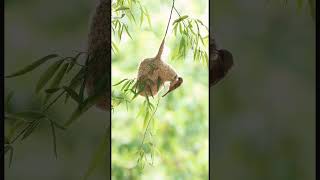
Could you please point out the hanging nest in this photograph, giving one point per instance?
(99, 56)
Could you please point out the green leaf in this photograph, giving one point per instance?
(57, 79)
(121, 31)
(148, 17)
(16, 125)
(180, 19)
(47, 75)
(101, 155)
(126, 28)
(74, 60)
(53, 90)
(9, 148)
(145, 120)
(29, 130)
(54, 139)
(199, 36)
(124, 86)
(175, 29)
(85, 106)
(77, 78)
(32, 66)
(75, 82)
(132, 16)
(114, 46)
(72, 94)
(180, 29)
(122, 8)
(120, 82)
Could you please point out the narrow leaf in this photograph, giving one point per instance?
(32, 66)
(47, 75)
(53, 90)
(72, 94)
(180, 19)
(122, 8)
(54, 139)
(57, 79)
(120, 82)
(32, 126)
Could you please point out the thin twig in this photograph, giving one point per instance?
(145, 132)
(169, 19)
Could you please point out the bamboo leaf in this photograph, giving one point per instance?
(120, 82)
(54, 138)
(180, 19)
(85, 106)
(57, 79)
(74, 60)
(124, 86)
(145, 120)
(9, 148)
(19, 123)
(114, 46)
(47, 75)
(126, 28)
(121, 30)
(91, 100)
(72, 94)
(32, 66)
(122, 8)
(148, 17)
(75, 82)
(53, 90)
(32, 126)
(175, 29)
(132, 16)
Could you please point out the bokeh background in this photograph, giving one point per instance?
(181, 121)
(34, 29)
(262, 116)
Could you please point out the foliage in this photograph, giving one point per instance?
(144, 151)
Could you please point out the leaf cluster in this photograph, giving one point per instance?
(189, 31)
(125, 11)
(23, 124)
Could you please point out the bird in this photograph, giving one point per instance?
(221, 61)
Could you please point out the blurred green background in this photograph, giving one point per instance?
(181, 121)
(34, 29)
(262, 116)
